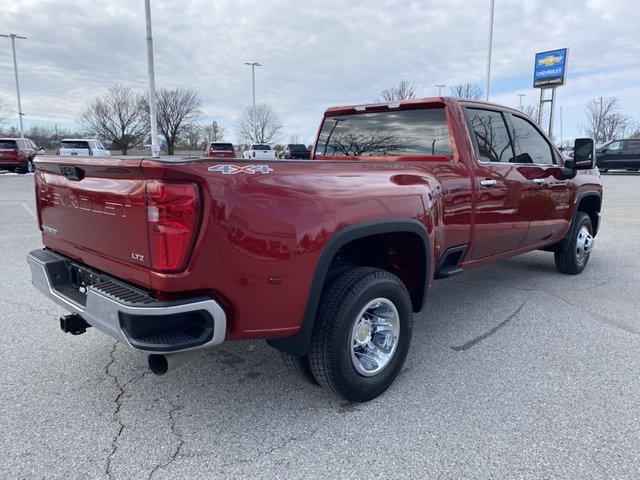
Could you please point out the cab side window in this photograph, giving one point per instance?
(491, 135)
(531, 146)
(615, 146)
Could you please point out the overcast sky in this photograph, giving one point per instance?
(315, 53)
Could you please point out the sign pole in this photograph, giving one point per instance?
(553, 102)
(539, 113)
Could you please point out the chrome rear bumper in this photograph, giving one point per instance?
(126, 313)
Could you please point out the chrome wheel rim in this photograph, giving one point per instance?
(584, 244)
(374, 336)
(30, 166)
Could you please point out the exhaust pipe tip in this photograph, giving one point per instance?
(160, 364)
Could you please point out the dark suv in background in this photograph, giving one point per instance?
(295, 150)
(619, 155)
(17, 154)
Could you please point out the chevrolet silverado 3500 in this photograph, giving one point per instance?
(329, 258)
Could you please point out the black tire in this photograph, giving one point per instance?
(299, 365)
(31, 167)
(604, 170)
(336, 270)
(331, 349)
(569, 260)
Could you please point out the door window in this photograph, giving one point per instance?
(615, 146)
(491, 135)
(531, 146)
(633, 145)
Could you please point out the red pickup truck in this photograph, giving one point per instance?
(327, 258)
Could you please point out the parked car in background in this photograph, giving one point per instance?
(621, 154)
(259, 152)
(82, 147)
(220, 149)
(295, 150)
(17, 154)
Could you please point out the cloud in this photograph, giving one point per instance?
(314, 54)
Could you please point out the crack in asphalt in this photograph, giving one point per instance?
(116, 413)
(621, 325)
(118, 401)
(177, 434)
(479, 338)
(282, 444)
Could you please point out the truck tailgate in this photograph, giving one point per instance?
(94, 206)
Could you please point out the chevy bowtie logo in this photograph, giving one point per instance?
(233, 169)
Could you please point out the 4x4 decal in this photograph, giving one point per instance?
(227, 169)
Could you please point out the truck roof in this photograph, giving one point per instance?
(413, 102)
(76, 139)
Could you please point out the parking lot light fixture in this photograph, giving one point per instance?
(13, 37)
(153, 119)
(440, 87)
(253, 66)
(489, 48)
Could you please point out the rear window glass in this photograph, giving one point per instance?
(392, 133)
(8, 144)
(74, 144)
(221, 147)
(260, 147)
(296, 146)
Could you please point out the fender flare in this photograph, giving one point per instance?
(582, 196)
(299, 343)
(564, 243)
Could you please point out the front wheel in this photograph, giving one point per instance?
(362, 333)
(574, 258)
(31, 167)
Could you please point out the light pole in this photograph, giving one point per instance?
(440, 87)
(521, 95)
(153, 119)
(489, 49)
(253, 66)
(13, 37)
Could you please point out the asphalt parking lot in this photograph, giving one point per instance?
(514, 371)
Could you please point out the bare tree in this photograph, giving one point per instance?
(117, 117)
(531, 111)
(260, 126)
(635, 130)
(178, 111)
(214, 132)
(294, 139)
(402, 91)
(467, 90)
(604, 120)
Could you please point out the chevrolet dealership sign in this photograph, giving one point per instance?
(549, 69)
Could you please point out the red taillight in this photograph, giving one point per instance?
(173, 212)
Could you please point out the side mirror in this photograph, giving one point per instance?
(584, 154)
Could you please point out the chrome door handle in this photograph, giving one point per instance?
(488, 182)
(538, 181)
